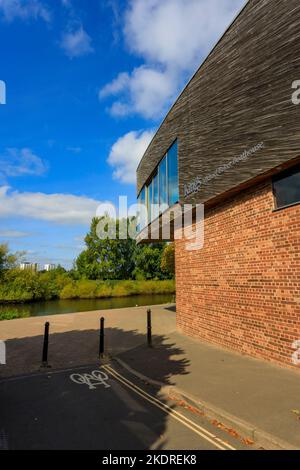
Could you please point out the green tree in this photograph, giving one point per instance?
(106, 258)
(147, 260)
(52, 282)
(168, 260)
(21, 286)
(7, 259)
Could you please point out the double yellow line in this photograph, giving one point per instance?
(196, 428)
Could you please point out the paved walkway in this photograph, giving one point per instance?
(74, 338)
(251, 395)
(257, 399)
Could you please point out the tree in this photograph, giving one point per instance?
(106, 258)
(7, 260)
(147, 260)
(168, 259)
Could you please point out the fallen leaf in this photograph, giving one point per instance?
(248, 442)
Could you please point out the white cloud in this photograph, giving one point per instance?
(126, 153)
(20, 162)
(76, 43)
(147, 92)
(57, 208)
(179, 33)
(13, 234)
(173, 37)
(24, 10)
(118, 85)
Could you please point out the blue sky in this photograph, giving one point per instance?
(88, 82)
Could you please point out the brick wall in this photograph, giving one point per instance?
(242, 290)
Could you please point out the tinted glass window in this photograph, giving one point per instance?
(138, 227)
(173, 174)
(155, 197)
(163, 186)
(150, 200)
(142, 200)
(287, 188)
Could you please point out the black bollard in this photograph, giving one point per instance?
(45, 345)
(101, 338)
(149, 328)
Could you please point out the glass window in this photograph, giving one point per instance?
(138, 226)
(155, 197)
(150, 200)
(173, 174)
(163, 189)
(142, 201)
(163, 184)
(286, 188)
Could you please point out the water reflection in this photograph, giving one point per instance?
(54, 307)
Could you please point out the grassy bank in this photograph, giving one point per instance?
(25, 286)
(92, 290)
(85, 289)
(9, 313)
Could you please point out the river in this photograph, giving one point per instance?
(54, 307)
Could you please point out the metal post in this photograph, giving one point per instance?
(101, 341)
(45, 345)
(149, 328)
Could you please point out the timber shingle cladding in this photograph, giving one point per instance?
(240, 97)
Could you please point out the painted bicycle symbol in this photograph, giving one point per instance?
(97, 377)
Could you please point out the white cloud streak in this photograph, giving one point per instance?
(126, 153)
(21, 162)
(13, 234)
(57, 208)
(76, 43)
(11, 10)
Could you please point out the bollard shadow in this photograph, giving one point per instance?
(171, 308)
(49, 411)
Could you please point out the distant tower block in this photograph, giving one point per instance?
(49, 267)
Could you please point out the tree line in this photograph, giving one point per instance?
(104, 268)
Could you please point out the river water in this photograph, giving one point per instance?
(54, 307)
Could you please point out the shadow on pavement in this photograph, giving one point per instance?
(172, 308)
(75, 348)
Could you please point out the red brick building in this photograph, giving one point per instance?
(241, 290)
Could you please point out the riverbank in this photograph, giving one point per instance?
(85, 289)
(15, 298)
(69, 306)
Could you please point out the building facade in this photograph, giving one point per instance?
(26, 266)
(49, 267)
(231, 142)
